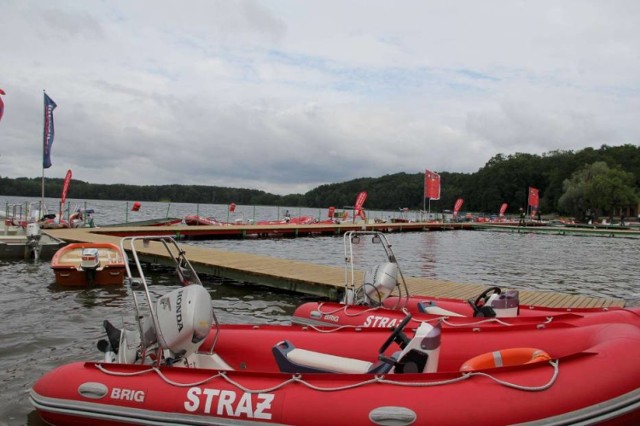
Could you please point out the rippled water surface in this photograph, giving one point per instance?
(594, 266)
(45, 325)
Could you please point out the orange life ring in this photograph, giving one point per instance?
(505, 358)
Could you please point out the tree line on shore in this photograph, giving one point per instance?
(571, 183)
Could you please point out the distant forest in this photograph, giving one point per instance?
(502, 179)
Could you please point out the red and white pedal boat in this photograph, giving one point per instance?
(182, 367)
(82, 264)
(382, 300)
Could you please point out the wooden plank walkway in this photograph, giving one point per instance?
(560, 230)
(288, 230)
(312, 279)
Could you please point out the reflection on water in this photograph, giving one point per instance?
(45, 325)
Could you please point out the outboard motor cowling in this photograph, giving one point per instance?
(34, 234)
(380, 281)
(90, 258)
(505, 304)
(184, 319)
(33, 231)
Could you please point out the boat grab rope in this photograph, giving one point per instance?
(405, 311)
(552, 380)
(541, 324)
(344, 308)
(444, 320)
(467, 375)
(634, 312)
(297, 378)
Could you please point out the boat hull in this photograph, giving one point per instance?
(168, 221)
(255, 392)
(194, 220)
(70, 276)
(298, 220)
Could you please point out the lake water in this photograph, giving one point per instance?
(45, 325)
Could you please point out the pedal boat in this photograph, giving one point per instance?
(87, 264)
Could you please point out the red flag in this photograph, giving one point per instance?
(534, 197)
(431, 185)
(1, 104)
(65, 186)
(360, 199)
(503, 209)
(457, 206)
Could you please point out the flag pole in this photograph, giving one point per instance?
(47, 136)
(42, 197)
(44, 135)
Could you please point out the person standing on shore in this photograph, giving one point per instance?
(521, 222)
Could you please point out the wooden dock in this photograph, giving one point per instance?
(307, 278)
(585, 231)
(271, 231)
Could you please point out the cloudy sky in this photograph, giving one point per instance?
(286, 95)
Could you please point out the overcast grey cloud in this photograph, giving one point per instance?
(286, 95)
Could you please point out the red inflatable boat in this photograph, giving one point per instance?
(334, 314)
(180, 366)
(195, 220)
(593, 377)
(381, 299)
(298, 220)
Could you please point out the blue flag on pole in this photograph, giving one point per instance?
(49, 106)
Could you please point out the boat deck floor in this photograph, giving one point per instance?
(105, 255)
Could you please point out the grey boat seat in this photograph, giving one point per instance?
(291, 359)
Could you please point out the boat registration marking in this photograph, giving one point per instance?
(380, 321)
(227, 402)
